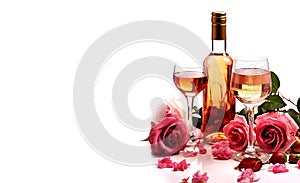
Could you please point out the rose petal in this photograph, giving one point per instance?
(167, 120)
(181, 166)
(247, 176)
(290, 121)
(190, 154)
(201, 147)
(165, 163)
(175, 107)
(199, 178)
(278, 168)
(221, 150)
(185, 180)
(159, 113)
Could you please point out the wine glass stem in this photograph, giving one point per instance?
(250, 149)
(189, 122)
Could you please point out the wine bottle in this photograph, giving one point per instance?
(218, 101)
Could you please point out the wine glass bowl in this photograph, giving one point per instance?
(190, 81)
(251, 85)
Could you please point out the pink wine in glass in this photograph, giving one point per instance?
(251, 86)
(190, 83)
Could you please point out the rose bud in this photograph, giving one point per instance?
(294, 158)
(254, 163)
(296, 146)
(278, 157)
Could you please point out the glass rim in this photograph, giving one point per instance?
(251, 58)
(188, 67)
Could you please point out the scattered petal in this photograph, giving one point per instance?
(165, 163)
(247, 176)
(278, 168)
(190, 154)
(203, 151)
(181, 166)
(201, 147)
(298, 164)
(185, 180)
(221, 150)
(199, 178)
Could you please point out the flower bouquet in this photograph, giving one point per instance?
(276, 130)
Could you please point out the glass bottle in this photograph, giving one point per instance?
(218, 101)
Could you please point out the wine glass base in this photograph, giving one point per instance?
(263, 156)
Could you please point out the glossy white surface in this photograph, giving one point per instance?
(223, 170)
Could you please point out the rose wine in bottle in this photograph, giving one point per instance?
(218, 101)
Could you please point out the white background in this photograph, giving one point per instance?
(42, 43)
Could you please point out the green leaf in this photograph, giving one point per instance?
(200, 111)
(273, 103)
(244, 113)
(195, 108)
(295, 115)
(275, 82)
(298, 104)
(146, 139)
(197, 122)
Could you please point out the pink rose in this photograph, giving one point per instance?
(169, 136)
(169, 106)
(236, 132)
(275, 131)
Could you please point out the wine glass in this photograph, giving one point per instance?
(251, 84)
(190, 81)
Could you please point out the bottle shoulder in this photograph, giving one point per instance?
(224, 58)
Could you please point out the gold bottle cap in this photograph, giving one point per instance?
(218, 20)
(218, 17)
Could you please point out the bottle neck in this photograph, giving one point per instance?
(218, 46)
(218, 35)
